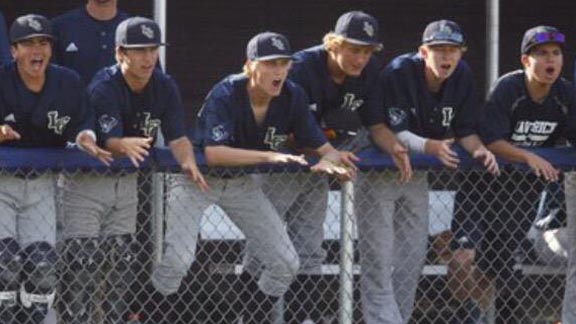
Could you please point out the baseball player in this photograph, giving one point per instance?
(532, 107)
(339, 78)
(245, 120)
(5, 56)
(41, 105)
(430, 99)
(85, 37)
(132, 99)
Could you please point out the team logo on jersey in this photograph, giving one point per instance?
(72, 48)
(313, 107)
(57, 124)
(147, 31)
(107, 123)
(447, 116)
(149, 126)
(276, 42)
(34, 24)
(350, 102)
(274, 141)
(218, 133)
(396, 116)
(533, 133)
(368, 29)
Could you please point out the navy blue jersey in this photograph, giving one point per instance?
(83, 43)
(511, 114)
(342, 107)
(227, 119)
(123, 113)
(5, 56)
(50, 118)
(409, 105)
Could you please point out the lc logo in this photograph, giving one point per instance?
(274, 141)
(149, 126)
(57, 124)
(350, 102)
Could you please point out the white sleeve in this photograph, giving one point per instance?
(412, 141)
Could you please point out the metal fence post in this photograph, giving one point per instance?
(346, 254)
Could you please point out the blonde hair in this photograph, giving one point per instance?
(332, 41)
(247, 69)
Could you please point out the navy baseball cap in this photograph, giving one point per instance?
(541, 35)
(358, 28)
(138, 32)
(268, 46)
(443, 32)
(30, 26)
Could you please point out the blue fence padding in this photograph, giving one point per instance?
(161, 158)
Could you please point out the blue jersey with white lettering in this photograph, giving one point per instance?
(5, 56)
(409, 105)
(510, 113)
(343, 107)
(122, 113)
(50, 118)
(227, 118)
(83, 43)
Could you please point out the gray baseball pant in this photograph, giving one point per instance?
(392, 220)
(248, 208)
(301, 201)
(568, 309)
(27, 209)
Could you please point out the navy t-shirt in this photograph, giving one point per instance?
(226, 118)
(123, 113)
(409, 105)
(510, 113)
(83, 43)
(344, 107)
(50, 118)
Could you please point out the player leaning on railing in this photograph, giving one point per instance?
(527, 108)
(246, 118)
(41, 105)
(131, 100)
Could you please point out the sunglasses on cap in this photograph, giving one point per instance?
(453, 37)
(545, 37)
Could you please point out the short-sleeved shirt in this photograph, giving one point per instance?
(5, 56)
(83, 43)
(346, 106)
(511, 115)
(226, 118)
(51, 118)
(409, 105)
(122, 113)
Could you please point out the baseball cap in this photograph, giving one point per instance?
(30, 26)
(137, 32)
(541, 35)
(268, 46)
(443, 32)
(358, 28)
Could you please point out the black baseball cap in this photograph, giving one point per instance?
(268, 46)
(541, 35)
(138, 32)
(358, 28)
(30, 26)
(443, 32)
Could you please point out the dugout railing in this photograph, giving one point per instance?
(207, 292)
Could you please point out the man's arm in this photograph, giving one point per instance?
(182, 151)
(385, 139)
(541, 167)
(223, 155)
(474, 146)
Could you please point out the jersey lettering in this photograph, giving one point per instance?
(533, 133)
(351, 103)
(274, 141)
(149, 126)
(447, 116)
(57, 124)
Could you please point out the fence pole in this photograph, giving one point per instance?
(346, 254)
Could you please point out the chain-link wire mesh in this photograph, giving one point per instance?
(269, 248)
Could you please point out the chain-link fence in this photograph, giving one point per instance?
(279, 245)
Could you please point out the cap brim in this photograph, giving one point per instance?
(363, 43)
(443, 42)
(273, 57)
(143, 45)
(32, 36)
(528, 48)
